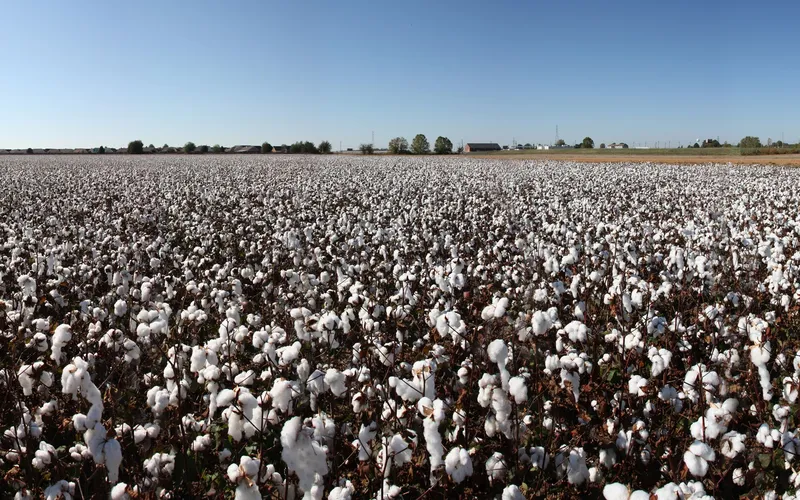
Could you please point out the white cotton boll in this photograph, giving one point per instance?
(512, 492)
(247, 491)
(636, 384)
(697, 457)
(302, 455)
(336, 381)
(540, 323)
(732, 443)
(225, 397)
(113, 458)
(739, 476)
(616, 491)
(458, 464)
(496, 467)
(119, 492)
(61, 336)
(577, 472)
(245, 378)
(660, 359)
(498, 351)
(577, 331)
(518, 389)
(120, 308)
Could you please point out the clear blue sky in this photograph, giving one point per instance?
(80, 74)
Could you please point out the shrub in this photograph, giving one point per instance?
(266, 148)
(443, 146)
(189, 147)
(324, 147)
(367, 149)
(135, 147)
(398, 145)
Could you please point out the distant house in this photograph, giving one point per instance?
(280, 149)
(617, 145)
(245, 149)
(472, 147)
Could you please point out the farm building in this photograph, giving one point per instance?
(245, 149)
(618, 145)
(471, 147)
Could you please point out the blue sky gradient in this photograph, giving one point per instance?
(81, 74)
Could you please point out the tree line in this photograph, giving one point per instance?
(300, 147)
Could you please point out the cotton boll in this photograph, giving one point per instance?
(112, 452)
(616, 491)
(61, 336)
(458, 464)
(336, 381)
(303, 455)
(512, 492)
(496, 467)
(119, 492)
(518, 389)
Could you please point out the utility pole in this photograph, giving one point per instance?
(373, 138)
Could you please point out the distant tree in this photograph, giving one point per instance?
(102, 150)
(443, 146)
(398, 145)
(266, 148)
(151, 146)
(561, 142)
(29, 151)
(135, 147)
(324, 147)
(367, 149)
(296, 148)
(750, 142)
(189, 147)
(624, 146)
(696, 145)
(216, 148)
(460, 150)
(420, 145)
(204, 149)
(165, 146)
(602, 145)
(711, 143)
(309, 148)
(778, 144)
(587, 143)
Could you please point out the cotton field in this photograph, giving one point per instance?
(347, 327)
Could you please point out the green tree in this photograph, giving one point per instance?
(29, 151)
(750, 142)
(204, 149)
(420, 145)
(398, 146)
(266, 148)
(587, 143)
(460, 150)
(602, 145)
(189, 147)
(216, 148)
(151, 146)
(165, 146)
(135, 147)
(296, 148)
(443, 146)
(309, 148)
(367, 149)
(102, 150)
(324, 147)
